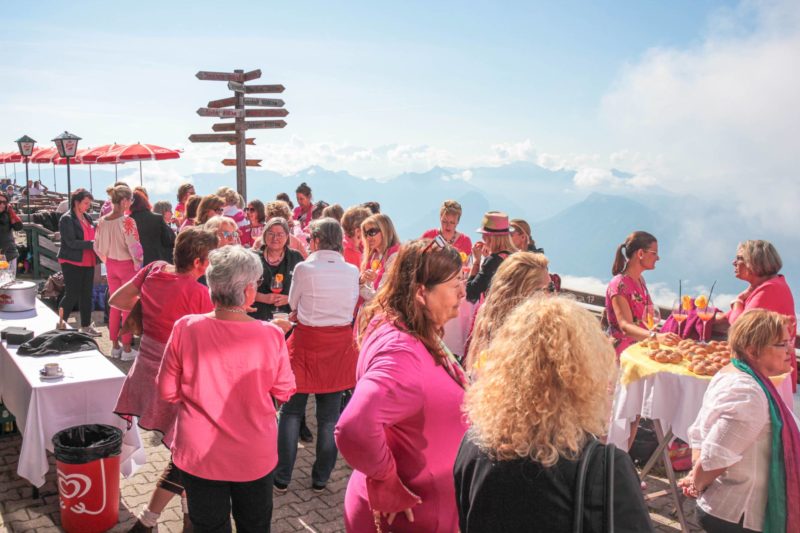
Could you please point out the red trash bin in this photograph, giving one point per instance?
(87, 461)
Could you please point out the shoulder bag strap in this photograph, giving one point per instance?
(610, 454)
(580, 484)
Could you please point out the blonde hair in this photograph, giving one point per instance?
(117, 193)
(761, 257)
(517, 278)
(754, 331)
(278, 208)
(499, 243)
(545, 385)
(388, 236)
(450, 207)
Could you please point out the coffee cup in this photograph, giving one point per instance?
(280, 316)
(52, 369)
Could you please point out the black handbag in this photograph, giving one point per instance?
(580, 486)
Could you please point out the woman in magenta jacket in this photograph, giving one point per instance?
(402, 428)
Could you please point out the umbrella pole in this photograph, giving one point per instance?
(5, 171)
(15, 174)
(55, 185)
(115, 172)
(140, 174)
(91, 189)
(39, 172)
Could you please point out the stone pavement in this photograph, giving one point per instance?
(298, 510)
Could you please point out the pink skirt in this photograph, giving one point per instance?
(139, 395)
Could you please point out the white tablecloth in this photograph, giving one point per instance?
(86, 395)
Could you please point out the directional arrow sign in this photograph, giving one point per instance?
(261, 88)
(248, 162)
(229, 113)
(234, 86)
(265, 113)
(255, 124)
(263, 102)
(223, 76)
(224, 102)
(213, 138)
(250, 140)
(252, 75)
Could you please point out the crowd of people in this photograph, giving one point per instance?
(271, 302)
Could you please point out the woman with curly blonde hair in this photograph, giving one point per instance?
(518, 464)
(517, 278)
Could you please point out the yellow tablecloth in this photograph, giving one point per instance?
(635, 364)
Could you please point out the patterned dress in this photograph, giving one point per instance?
(637, 297)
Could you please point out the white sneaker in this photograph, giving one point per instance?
(89, 330)
(116, 353)
(129, 356)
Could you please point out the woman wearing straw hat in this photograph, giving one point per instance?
(494, 248)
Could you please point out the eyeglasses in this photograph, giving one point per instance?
(551, 288)
(230, 234)
(275, 235)
(250, 209)
(372, 232)
(738, 259)
(219, 210)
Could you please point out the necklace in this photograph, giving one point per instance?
(449, 241)
(275, 261)
(231, 310)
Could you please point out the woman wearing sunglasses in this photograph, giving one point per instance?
(256, 217)
(518, 277)
(278, 260)
(401, 430)
(381, 244)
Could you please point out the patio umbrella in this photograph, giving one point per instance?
(45, 155)
(92, 155)
(10, 157)
(139, 152)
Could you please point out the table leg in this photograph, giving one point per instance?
(663, 441)
(677, 497)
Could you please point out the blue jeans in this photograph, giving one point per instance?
(328, 406)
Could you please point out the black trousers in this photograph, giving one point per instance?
(211, 503)
(78, 286)
(712, 524)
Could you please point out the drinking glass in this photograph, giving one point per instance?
(678, 314)
(705, 314)
(276, 286)
(652, 316)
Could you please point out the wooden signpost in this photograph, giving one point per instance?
(234, 107)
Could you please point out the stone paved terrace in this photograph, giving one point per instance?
(298, 510)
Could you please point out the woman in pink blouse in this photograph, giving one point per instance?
(449, 217)
(627, 294)
(116, 243)
(758, 264)
(402, 428)
(223, 370)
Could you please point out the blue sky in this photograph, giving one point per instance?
(692, 96)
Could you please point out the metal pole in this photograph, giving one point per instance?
(69, 180)
(15, 173)
(91, 189)
(140, 173)
(28, 189)
(55, 185)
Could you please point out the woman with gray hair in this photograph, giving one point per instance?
(217, 368)
(758, 264)
(278, 261)
(323, 295)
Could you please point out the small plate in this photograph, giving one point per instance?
(55, 377)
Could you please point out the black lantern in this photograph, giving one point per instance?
(25, 145)
(67, 145)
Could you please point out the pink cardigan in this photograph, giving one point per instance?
(403, 424)
(222, 374)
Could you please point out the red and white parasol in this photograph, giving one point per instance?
(139, 152)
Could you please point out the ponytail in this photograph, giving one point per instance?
(638, 240)
(619, 261)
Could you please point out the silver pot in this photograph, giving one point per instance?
(18, 295)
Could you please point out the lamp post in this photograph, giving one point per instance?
(25, 145)
(67, 145)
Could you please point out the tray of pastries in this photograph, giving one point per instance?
(700, 359)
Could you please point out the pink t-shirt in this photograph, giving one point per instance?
(462, 242)
(223, 375)
(167, 297)
(637, 297)
(351, 251)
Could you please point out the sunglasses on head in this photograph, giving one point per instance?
(438, 241)
(372, 232)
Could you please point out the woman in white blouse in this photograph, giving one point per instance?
(734, 438)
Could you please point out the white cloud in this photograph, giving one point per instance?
(724, 114)
(465, 175)
(504, 153)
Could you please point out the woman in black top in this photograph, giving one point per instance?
(156, 237)
(9, 223)
(495, 246)
(516, 470)
(278, 260)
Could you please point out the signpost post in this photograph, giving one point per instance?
(222, 109)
